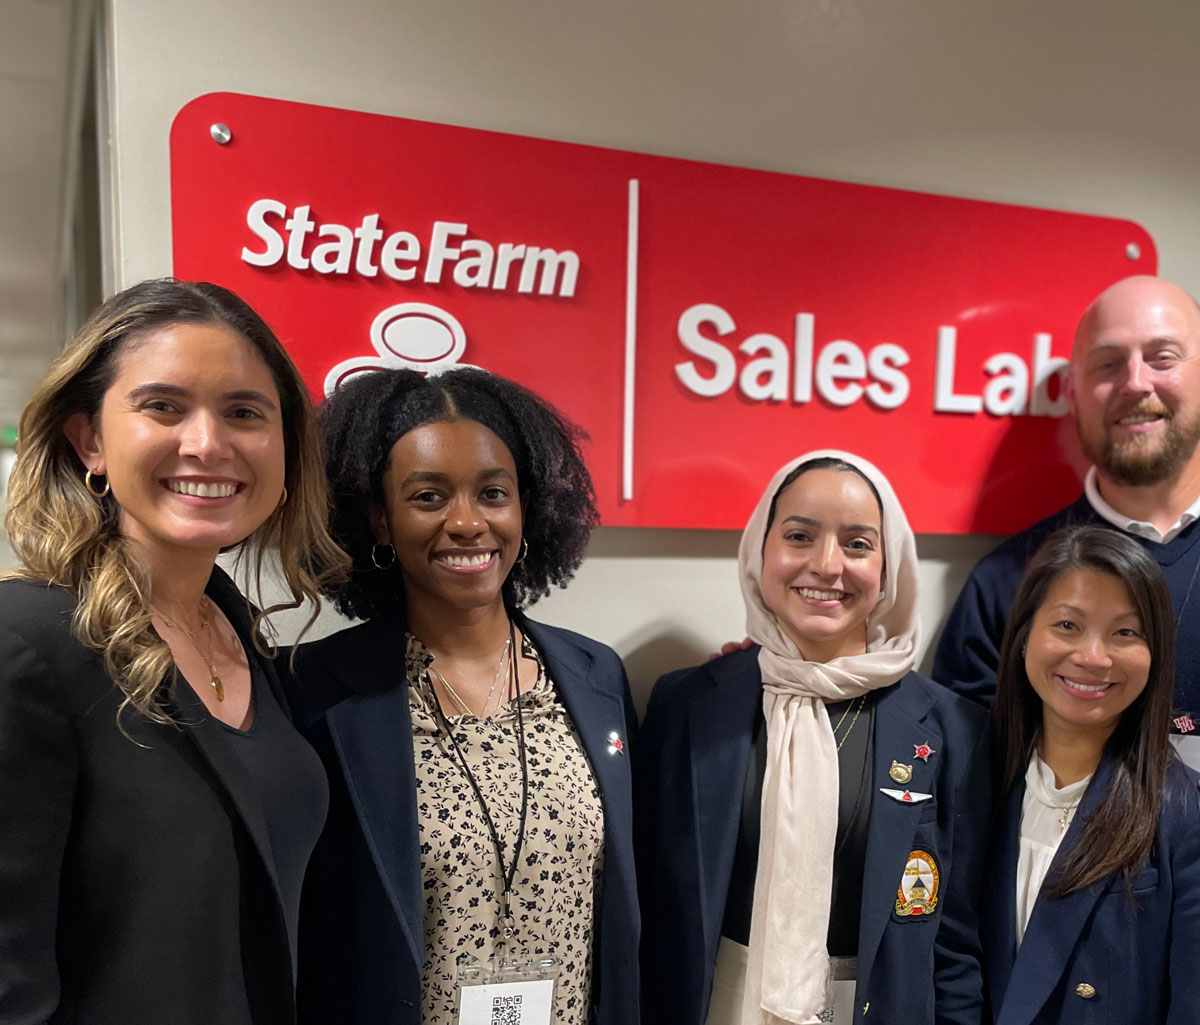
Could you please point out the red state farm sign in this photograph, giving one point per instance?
(703, 323)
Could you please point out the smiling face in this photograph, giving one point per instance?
(1134, 386)
(1086, 655)
(823, 562)
(190, 437)
(453, 514)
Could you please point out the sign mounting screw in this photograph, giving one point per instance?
(1132, 251)
(221, 135)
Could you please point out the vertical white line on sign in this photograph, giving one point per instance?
(631, 255)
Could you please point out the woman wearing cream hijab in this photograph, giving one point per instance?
(811, 810)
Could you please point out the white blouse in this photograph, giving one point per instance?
(1046, 812)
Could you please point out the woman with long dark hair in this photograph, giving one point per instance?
(811, 812)
(1093, 906)
(478, 760)
(157, 809)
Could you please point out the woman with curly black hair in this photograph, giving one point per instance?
(478, 760)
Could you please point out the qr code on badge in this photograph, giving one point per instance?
(506, 1010)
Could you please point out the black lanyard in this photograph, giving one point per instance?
(506, 874)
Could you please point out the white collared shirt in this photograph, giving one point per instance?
(1139, 527)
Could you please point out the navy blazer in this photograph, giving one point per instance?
(690, 772)
(1093, 956)
(361, 930)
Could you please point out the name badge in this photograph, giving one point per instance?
(506, 991)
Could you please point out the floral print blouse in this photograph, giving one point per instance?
(556, 887)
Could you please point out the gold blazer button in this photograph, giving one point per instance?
(1085, 990)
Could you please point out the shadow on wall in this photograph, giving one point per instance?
(661, 649)
(1052, 470)
(946, 561)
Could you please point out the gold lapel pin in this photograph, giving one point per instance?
(900, 773)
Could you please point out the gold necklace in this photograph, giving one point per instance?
(843, 718)
(503, 663)
(862, 701)
(215, 680)
(464, 708)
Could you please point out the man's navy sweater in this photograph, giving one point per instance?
(969, 649)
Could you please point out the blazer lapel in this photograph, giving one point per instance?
(599, 719)
(372, 735)
(899, 727)
(1055, 925)
(720, 729)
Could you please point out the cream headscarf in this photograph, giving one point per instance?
(786, 978)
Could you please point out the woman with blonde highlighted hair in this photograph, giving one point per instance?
(158, 809)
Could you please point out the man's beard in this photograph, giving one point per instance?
(1140, 461)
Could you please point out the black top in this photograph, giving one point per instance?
(136, 879)
(291, 785)
(855, 758)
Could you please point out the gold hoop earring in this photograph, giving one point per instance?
(87, 483)
(375, 556)
(524, 551)
(282, 500)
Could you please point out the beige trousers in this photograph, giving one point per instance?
(729, 986)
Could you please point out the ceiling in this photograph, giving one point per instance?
(36, 45)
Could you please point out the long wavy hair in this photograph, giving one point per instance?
(1120, 834)
(65, 535)
(368, 414)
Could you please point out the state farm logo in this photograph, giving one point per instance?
(416, 336)
(365, 250)
(412, 336)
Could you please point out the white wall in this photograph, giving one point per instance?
(1082, 105)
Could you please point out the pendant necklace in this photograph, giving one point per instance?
(205, 626)
(502, 663)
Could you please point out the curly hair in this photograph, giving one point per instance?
(367, 415)
(65, 535)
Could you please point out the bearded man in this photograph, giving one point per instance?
(1134, 390)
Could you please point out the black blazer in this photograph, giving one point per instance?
(692, 758)
(136, 882)
(1095, 956)
(361, 931)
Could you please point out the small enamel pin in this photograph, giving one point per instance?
(1184, 724)
(900, 773)
(918, 890)
(923, 751)
(905, 796)
(616, 746)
